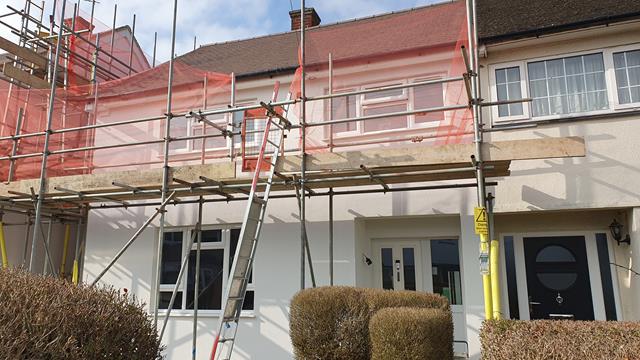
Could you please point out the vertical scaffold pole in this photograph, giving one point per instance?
(113, 35)
(484, 242)
(331, 236)
(196, 283)
(155, 45)
(133, 34)
(165, 168)
(303, 150)
(231, 128)
(47, 136)
(330, 102)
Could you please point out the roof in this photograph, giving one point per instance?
(392, 33)
(500, 20)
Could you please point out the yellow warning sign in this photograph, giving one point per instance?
(480, 221)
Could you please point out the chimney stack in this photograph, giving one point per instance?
(311, 18)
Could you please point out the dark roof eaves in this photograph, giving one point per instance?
(517, 35)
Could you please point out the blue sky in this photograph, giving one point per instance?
(222, 20)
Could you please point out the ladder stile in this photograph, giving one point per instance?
(241, 268)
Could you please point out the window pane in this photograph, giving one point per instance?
(178, 127)
(344, 108)
(165, 299)
(249, 300)
(508, 87)
(384, 93)
(212, 142)
(426, 97)
(210, 281)
(395, 122)
(445, 270)
(209, 236)
(634, 76)
(386, 255)
(619, 61)
(633, 58)
(409, 271)
(582, 78)
(171, 257)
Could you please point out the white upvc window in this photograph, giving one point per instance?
(586, 83)
(188, 126)
(626, 65)
(386, 102)
(216, 257)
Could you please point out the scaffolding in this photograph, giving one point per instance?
(53, 198)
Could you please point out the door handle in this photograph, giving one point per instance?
(534, 303)
(398, 270)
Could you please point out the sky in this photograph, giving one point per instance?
(213, 21)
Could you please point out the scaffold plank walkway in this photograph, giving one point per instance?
(325, 170)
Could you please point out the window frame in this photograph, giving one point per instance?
(610, 72)
(225, 245)
(610, 85)
(407, 98)
(524, 90)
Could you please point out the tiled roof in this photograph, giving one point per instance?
(392, 33)
(500, 20)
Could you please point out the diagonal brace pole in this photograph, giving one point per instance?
(306, 240)
(133, 238)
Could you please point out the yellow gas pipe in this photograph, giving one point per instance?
(63, 263)
(486, 280)
(3, 247)
(495, 278)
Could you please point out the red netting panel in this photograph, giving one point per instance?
(102, 97)
(413, 46)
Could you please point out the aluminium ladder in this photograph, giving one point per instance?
(250, 232)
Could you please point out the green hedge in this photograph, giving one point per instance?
(333, 322)
(560, 340)
(47, 318)
(411, 334)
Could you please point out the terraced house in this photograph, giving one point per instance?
(390, 183)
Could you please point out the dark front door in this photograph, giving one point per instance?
(558, 278)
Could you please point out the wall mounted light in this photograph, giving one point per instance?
(616, 232)
(366, 260)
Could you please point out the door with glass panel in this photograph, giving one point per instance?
(398, 264)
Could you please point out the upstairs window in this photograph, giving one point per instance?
(627, 67)
(391, 102)
(568, 85)
(508, 87)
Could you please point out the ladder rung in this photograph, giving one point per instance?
(273, 143)
(223, 340)
(276, 124)
(260, 201)
(235, 298)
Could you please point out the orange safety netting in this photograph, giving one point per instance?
(430, 50)
(106, 95)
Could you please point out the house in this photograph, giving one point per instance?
(579, 64)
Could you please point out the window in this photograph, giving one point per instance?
(627, 68)
(216, 257)
(386, 102)
(568, 85)
(427, 97)
(508, 87)
(184, 126)
(344, 107)
(445, 270)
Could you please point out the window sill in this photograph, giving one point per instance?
(203, 314)
(630, 111)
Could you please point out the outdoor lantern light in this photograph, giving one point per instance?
(616, 232)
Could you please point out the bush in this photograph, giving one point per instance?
(47, 318)
(411, 334)
(560, 340)
(328, 323)
(380, 299)
(333, 322)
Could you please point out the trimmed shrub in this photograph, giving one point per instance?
(380, 299)
(333, 322)
(560, 340)
(330, 323)
(47, 318)
(411, 334)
